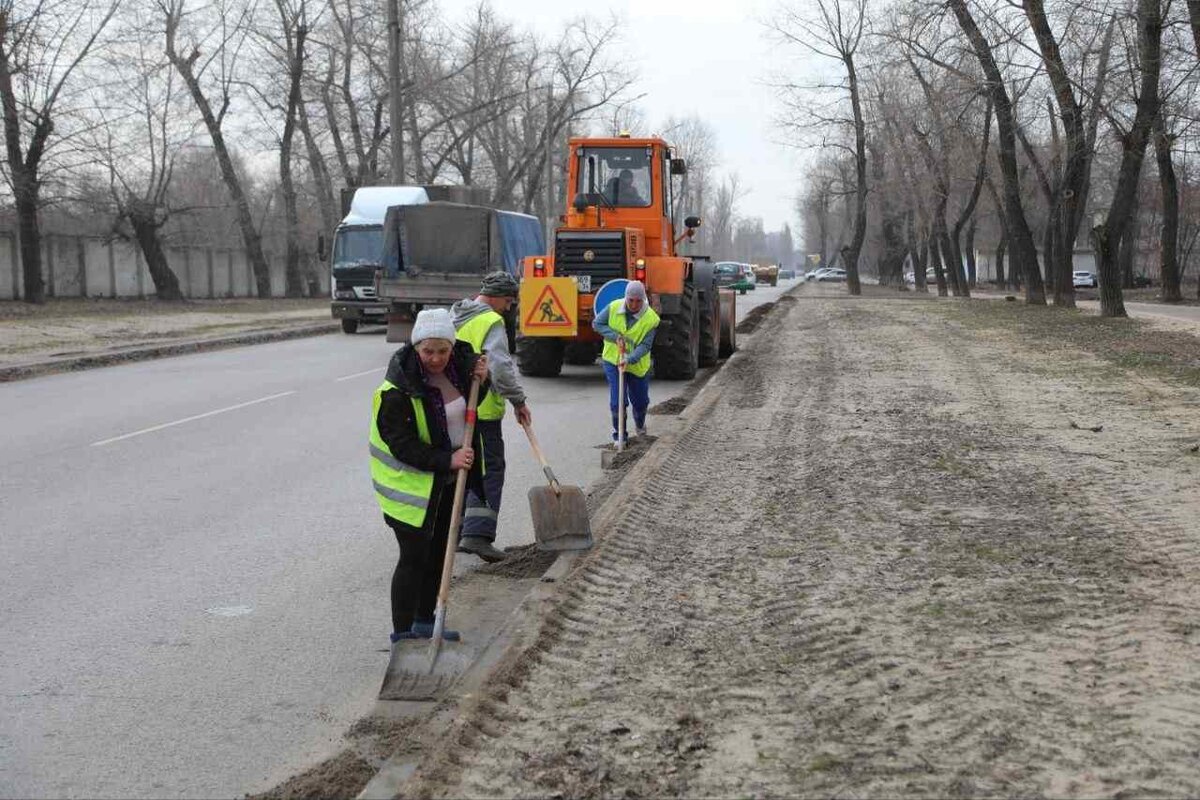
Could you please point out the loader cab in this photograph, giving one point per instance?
(624, 183)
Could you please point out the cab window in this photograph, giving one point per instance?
(622, 175)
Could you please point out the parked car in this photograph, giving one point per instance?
(787, 274)
(832, 274)
(1082, 279)
(727, 273)
(1142, 281)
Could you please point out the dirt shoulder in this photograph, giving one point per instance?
(72, 334)
(900, 548)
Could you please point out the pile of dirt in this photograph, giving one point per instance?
(343, 776)
(525, 561)
(753, 319)
(668, 407)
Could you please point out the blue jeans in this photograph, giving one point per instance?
(637, 394)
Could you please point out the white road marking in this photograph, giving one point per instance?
(229, 611)
(359, 374)
(190, 419)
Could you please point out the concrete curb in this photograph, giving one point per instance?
(107, 358)
(524, 626)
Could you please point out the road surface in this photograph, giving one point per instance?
(194, 601)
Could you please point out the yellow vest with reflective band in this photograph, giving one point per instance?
(645, 323)
(473, 332)
(403, 491)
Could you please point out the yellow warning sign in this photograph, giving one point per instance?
(549, 306)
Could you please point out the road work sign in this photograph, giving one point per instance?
(549, 307)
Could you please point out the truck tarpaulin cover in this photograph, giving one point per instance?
(455, 238)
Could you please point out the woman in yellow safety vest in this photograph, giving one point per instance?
(417, 425)
(634, 321)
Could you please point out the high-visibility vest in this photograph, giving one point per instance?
(473, 332)
(403, 491)
(644, 324)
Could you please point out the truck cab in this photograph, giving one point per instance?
(357, 253)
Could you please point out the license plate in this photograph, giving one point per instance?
(376, 310)
(584, 282)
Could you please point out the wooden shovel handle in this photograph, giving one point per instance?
(460, 490)
(541, 457)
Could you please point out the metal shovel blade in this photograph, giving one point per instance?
(560, 521)
(413, 673)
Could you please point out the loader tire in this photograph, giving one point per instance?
(677, 343)
(581, 354)
(539, 357)
(710, 328)
(729, 329)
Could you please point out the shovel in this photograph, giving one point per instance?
(560, 515)
(621, 395)
(414, 672)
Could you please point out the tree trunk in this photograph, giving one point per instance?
(1127, 251)
(1169, 187)
(1001, 246)
(1107, 236)
(293, 279)
(853, 285)
(146, 234)
(969, 252)
(30, 240)
(935, 256)
(1024, 253)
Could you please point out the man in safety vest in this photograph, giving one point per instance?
(480, 323)
(632, 322)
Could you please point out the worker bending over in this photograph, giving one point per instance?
(480, 323)
(417, 425)
(632, 321)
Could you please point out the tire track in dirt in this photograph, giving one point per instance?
(851, 580)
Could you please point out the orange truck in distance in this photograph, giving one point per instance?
(619, 224)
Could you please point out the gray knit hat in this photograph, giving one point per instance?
(434, 323)
(499, 284)
(635, 290)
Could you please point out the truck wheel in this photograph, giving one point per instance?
(677, 344)
(710, 328)
(581, 354)
(539, 357)
(349, 325)
(729, 327)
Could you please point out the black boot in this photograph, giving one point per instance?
(479, 546)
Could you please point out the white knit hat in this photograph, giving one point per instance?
(635, 290)
(433, 323)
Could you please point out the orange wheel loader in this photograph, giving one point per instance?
(618, 224)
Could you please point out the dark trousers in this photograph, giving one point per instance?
(483, 502)
(419, 570)
(637, 394)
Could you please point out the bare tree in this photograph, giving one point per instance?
(228, 27)
(835, 30)
(41, 48)
(1106, 237)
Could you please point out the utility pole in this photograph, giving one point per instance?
(549, 165)
(395, 113)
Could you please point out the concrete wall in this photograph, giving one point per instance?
(85, 266)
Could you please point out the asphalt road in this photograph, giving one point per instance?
(194, 600)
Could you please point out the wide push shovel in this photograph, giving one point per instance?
(422, 672)
(560, 515)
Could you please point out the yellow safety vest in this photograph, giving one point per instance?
(473, 332)
(403, 491)
(645, 323)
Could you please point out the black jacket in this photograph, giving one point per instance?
(397, 422)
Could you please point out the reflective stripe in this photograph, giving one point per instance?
(390, 461)
(400, 497)
(647, 322)
(479, 511)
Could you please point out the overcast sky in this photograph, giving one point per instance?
(713, 59)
